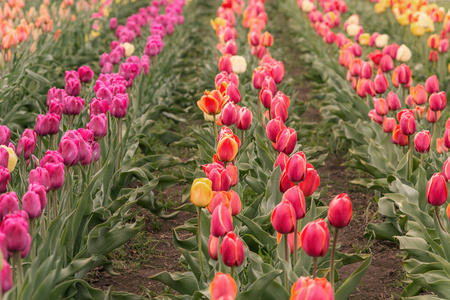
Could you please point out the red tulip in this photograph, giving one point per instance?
(386, 63)
(296, 167)
(265, 96)
(432, 84)
(295, 196)
(220, 179)
(315, 238)
(375, 117)
(232, 172)
(312, 181)
(340, 211)
(284, 217)
(286, 141)
(438, 101)
(221, 222)
(398, 137)
(433, 116)
(233, 93)
(273, 128)
(281, 161)
(437, 190)
(232, 250)
(243, 118)
(389, 125)
(381, 106)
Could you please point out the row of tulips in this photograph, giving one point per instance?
(373, 148)
(232, 234)
(77, 149)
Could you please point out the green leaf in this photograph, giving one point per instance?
(350, 284)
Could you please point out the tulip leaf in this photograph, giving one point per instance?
(265, 286)
(256, 230)
(183, 283)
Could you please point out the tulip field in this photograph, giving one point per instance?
(224, 149)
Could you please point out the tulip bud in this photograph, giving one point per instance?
(221, 222)
(284, 217)
(296, 167)
(238, 64)
(73, 87)
(227, 148)
(286, 141)
(40, 176)
(5, 135)
(422, 141)
(281, 161)
(6, 274)
(99, 125)
(340, 211)
(312, 181)
(273, 128)
(408, 124)
(389, 125)
(295, 196)
(225, 64)
(436, 190)
(31, 204)
(15, 228)
(243, 118)
(5, 179)
(398, 137)
(119, 105)
(27, 143)
(201, 192)
(220, 179)
(386, 63)
(308, 289)
(446, 169)
(315, 238)
(85, 73)
(438, 101)
(432, 84)
(265, 96)
(232, 250)
(8, 204)
(278, 109)
(380, 82)
(393, 101)
(12, 158)
(228, 114)
(223, 287)
(381, 106)
(213, 245)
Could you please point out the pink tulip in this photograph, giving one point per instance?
(228, 114)
(273, 128)
(8, 204)
(281, 161)
(221, 222)
(27, 143)
(393, 101)
(243, 118)
(312, 181)
(5, 135)
(15, 228)
(41, 192)
(438, 101)
(232, 250)
(113, 23)
(5, 178)
(99, 125)
(436, 190)
(296, 167)
(422, 141)
(7, 281)
(286, 141)
(40, 176)
(340, 211)
(315, 238)
(297, 199)
(31, 204)
(233, 92)
(284, 217)
(119, 105)
(432, 84)
(225, 64)
(85, 73)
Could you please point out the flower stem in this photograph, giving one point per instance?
(315, 267)
(286, 256)
(54, 205)
(436, 210)
(232, 272)
(199, 234)
(295, 245)
(215, 131)
(333, 252)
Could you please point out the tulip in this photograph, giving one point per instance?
(340, 211)
(375, 117)
(6, 279)
(380, 82)
(419, 94)
(27, 143)
(73, 87)
(223, 287)
(295, 196)
(393, 101)
(386, 63)
(278, 71)
(438, 101)
(8, 204)
(312, 181)
(98, 106)
(286, 140)
(5, 179)
(265, 96)
(432, 84)
(220, 179)
(443, 46)
(228, 147)
(389, 125)
(118, 106)
(446, 169)
(40, 176)
(437, 190)
(238, 64)
(99, 125)
(243, 118)
(422, 141)
(315, 238)
(232, 250)
(433, 41)
(259, 74)
(281, 161)
(213, 245)
(5, 135)
(408, 124)
(433, 116)
(284, 217)
(434, 56)
(212, 102)
(12, 158)
(228, 114)
(381, 106)
(31, 204)
(403, 54)
(15, 228)
(440, 146)
(285, 183)
(221, 222)
(72, 105)
(85, 73)
(355, 67)
(201, 192)
(306, 288)
(225, 64)
(41, 192)
(113, 23)
(278, 109)
(273, 128)
(296, 167)
(436, 194)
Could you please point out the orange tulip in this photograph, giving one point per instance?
(223, 286)
(228, 147)
(211, 103)
(22, 33)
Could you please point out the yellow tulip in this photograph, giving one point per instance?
(380, 8)
(403, 19)
(12, 160)
(364, 39)
(129, 49)
(201, 192)
(417, 30)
